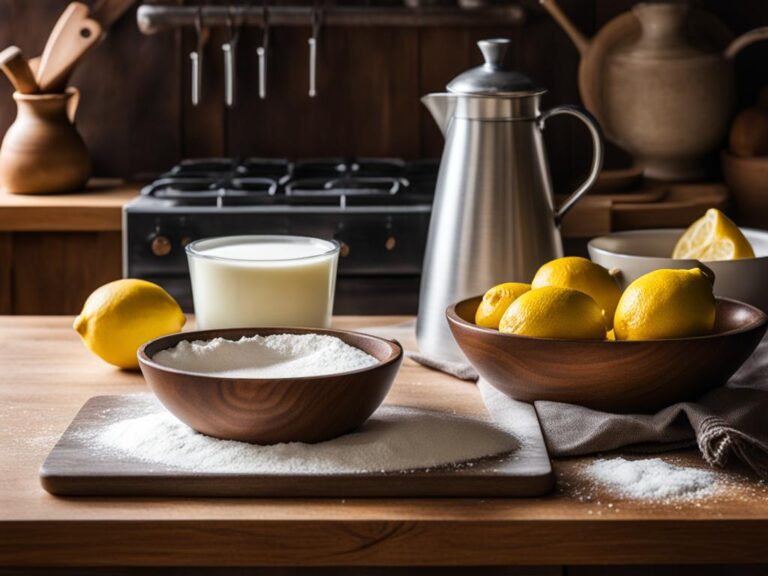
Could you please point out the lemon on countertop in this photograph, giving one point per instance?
(496, 301)
(119, 317)
(554, 312)
(712, 237)
(666, 304)
(585, 276)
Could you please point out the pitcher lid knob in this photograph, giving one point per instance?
(494, 51)
(493, 78)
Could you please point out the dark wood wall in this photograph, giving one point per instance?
(136, 116)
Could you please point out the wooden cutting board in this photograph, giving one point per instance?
(76, 467)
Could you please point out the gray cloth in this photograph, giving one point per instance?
(728, 422)
(457, 369)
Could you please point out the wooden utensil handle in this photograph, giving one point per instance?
(17, 69)
(72, 103)
(70, 48)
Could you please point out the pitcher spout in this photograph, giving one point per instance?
(441, 106)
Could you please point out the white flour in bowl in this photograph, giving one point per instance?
(394, 439)
(652, 479)
(275, 356)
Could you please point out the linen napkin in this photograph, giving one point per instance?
(728, 422)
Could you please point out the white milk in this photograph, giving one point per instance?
(252, 281)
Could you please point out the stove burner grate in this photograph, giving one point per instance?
(343, 182)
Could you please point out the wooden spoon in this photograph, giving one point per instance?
(72, 36)
(17, 69)
(105, 12)
(75, 12)
(34, 64)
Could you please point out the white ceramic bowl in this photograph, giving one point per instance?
(639, 252)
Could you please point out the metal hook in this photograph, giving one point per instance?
(261, 51)
(229, 48)
(196, 57)
(317, 21)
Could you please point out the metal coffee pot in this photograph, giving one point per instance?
(494, 217)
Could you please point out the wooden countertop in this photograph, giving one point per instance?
(99, 208)
(47, 375)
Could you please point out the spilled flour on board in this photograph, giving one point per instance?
(394, 439)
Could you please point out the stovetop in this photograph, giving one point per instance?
(378, 209)
(330, 182)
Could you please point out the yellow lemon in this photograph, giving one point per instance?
(714, 236)
(496, 301)
(666, 304)
(582, 275)
(553, 312)
(121, 316)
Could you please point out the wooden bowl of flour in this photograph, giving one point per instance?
(274, 409)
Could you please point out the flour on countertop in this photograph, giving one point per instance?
(652, 479)
(394, 439)
(274, 356)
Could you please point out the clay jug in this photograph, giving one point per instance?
(42, 151)
(660, 81)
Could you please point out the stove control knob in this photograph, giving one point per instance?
(390, 243)
(161, 246)
(344, 250)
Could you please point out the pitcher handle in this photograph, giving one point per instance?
(597, 157)
(756, 35)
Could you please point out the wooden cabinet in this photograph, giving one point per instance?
(53, 272)
(55, 250)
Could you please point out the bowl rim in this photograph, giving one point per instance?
(453, 318)
(650, 231)
(146, 360)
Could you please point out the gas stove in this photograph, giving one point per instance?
(377, 208)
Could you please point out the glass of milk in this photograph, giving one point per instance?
(256, 281)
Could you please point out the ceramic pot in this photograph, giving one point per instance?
(660, 81)
(668, 101)
(42, 151)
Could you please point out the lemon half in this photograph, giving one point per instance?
(713, 237)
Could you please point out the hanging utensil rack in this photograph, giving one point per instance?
(153, 18)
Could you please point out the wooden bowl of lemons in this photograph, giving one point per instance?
(570, 336)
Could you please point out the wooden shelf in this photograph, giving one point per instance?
(98, 208)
